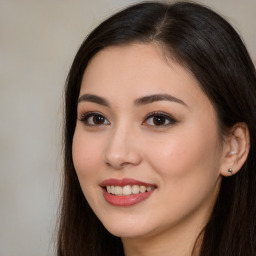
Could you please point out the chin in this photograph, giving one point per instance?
(127, 230)
(127, 233)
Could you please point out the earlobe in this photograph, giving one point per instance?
(237, 147)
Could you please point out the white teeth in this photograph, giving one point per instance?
(118, 191)
(142, 189)
(128, 190)
(149, 189)
(135, 189)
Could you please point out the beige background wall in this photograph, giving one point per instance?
(38, 40)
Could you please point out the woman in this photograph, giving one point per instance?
(160, 137)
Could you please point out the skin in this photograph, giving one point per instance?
(183, 159)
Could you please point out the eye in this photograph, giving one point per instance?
(94, 119)
(159, 119)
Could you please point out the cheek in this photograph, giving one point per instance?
(186, 154)
(86, 158)
(188, 174)
(86, 154)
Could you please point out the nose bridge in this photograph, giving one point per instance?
(121, 149)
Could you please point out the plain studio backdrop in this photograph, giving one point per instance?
(38, 40)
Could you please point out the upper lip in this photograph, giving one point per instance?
(124, 182)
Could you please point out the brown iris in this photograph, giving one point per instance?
(97, 119)
(159, 120)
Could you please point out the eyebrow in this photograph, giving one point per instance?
(94, 98)
(158, 97)
(138, 102)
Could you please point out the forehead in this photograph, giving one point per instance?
(137, 70)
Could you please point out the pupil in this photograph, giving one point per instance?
(159, 120)
(98, 119)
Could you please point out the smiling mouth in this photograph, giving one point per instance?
(128, 190)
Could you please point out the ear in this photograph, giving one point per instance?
(235, 150)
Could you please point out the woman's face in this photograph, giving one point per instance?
(146, 147)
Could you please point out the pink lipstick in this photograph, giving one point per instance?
(126, 192)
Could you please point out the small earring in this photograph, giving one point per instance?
(232, 153)
(230, 171)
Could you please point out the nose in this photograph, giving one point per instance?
(122, 149)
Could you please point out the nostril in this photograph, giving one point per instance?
(122, 159)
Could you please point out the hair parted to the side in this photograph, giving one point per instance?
(204, 43)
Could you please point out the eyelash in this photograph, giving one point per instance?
(163, 117)
(85, 118)
(159, 117)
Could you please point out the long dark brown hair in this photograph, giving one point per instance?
(206, 44)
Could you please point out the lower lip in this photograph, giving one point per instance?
(126, 200)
